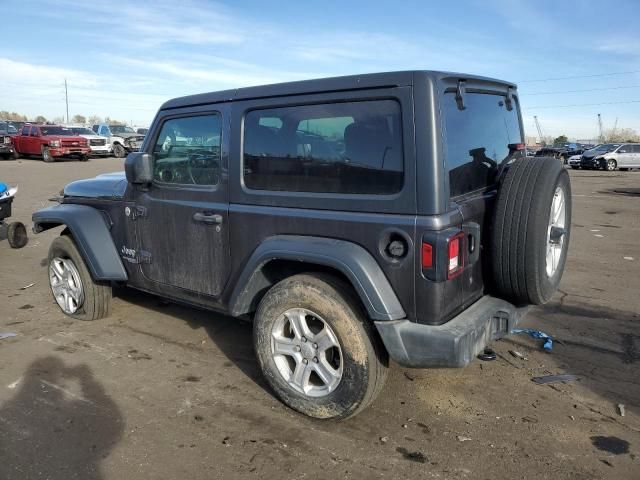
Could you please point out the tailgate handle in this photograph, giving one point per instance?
(207, 217)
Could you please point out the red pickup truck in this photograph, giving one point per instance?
(50, 142)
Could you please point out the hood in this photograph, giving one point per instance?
(92, 137)
(110, 186)
(128, 135)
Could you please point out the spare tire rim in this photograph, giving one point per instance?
(556, 232)
(306, 352)
(66, 285)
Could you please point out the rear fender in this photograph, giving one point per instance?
(353, 261)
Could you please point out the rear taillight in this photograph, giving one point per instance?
(455, 257)
(427, 255)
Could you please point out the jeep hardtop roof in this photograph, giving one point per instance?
(331, 84)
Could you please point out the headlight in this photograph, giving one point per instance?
(54, 143)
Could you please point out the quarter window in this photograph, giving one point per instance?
(187, 151)
(25, 131)
(347, 148)
(479, 139)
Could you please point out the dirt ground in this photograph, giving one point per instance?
(167, 392)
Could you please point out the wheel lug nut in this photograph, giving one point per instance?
(304, 339)
(296, 348)
(315, 345)
(315, 359)
(305, 361)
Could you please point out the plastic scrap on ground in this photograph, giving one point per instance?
(554, 379)
(548, 341)
(7, 335)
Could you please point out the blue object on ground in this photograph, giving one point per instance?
(548, 341)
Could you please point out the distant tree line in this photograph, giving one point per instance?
(80, 119)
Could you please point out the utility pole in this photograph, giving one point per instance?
(66, 98)
(538, 128)
(600, 128)
(615, 126)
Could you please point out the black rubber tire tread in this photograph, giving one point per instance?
(97, 296)
(518, 243)
(17, 235)
(336, 293)
(16, 154)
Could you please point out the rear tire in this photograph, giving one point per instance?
(94, 300)
(356, 355)
(46, 155)
(528, 250)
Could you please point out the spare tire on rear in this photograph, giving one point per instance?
(531, 228)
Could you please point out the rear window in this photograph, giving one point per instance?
(478, 139)
(348, 148)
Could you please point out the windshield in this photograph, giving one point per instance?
(82, 131)
(4, 127)
(606, 147)
(56, 131)
(121, 129)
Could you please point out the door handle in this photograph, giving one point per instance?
(211, 218)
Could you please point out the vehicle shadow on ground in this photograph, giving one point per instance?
(61, 424)
(233, 336)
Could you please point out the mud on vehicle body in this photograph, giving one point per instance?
(352, 219)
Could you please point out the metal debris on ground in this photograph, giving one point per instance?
(487, 355)
(7, 335)
(517, 354)
(463, 439)
(554, 379)
(621, 409)
(548, 341)
(27, 286)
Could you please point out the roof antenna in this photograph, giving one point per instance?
(460, 93)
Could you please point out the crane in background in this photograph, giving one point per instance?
(535, 118)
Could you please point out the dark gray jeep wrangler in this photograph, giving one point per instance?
(351, 219)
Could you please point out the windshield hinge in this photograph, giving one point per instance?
(135, 212)
(509, 100)
(460, 94)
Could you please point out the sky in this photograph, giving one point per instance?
(571, 59)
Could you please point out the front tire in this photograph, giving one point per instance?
(610, 165)
(316, 349)
(46, 155)
(73, 289)
(119, 151)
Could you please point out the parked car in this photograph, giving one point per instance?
(562, 152)
(99, 145)
(594, 158)
(50, 142)
(574, 161)
(142, 131)
(6, 145)
(122, 138)
(610, 156)
(352, 219)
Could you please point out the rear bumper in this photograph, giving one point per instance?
(455, 343)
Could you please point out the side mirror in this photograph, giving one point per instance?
(138, 168)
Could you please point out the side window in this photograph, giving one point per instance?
(187, 151)
(636, 148)
(478, 139)
(25, 130)
(347, 148)
(34, 131)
